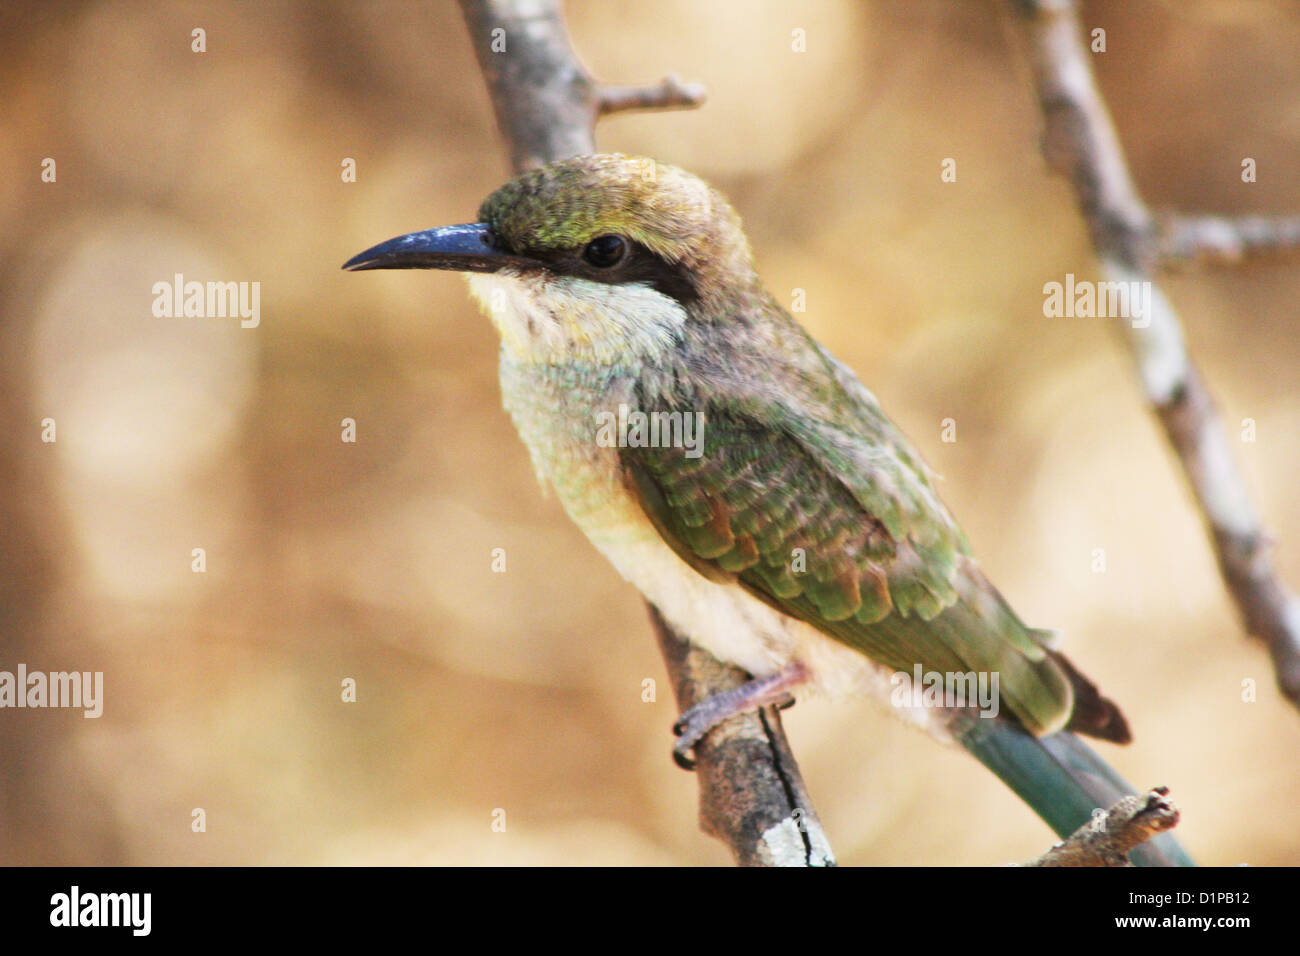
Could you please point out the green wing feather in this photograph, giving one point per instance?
(839, 527)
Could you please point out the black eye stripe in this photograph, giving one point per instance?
(638, 264)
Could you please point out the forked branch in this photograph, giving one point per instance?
(1080, 143)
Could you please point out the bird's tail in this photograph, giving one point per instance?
(1061, 779)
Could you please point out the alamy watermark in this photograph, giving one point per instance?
(83, 689)
(1085, 299)
(633, 428)
(208, 300)
(946, 689)
(132, 911)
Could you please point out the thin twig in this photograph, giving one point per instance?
(1080, 143)
(751, 794)
(1106, 841)
(1218, 240)
(670, 94)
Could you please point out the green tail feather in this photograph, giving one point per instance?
(1061, 779)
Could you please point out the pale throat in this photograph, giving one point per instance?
(556, 320)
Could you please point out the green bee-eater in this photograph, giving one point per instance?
(745, 481)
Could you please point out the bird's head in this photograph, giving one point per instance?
(593, 257)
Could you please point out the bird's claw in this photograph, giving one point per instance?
(690, 729)
(683, 758)
(695, 722)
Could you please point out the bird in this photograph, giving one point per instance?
(745, 480)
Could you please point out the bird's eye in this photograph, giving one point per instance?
(605, 252)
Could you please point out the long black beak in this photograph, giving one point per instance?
(467, 248)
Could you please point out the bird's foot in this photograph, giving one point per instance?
(695, 724)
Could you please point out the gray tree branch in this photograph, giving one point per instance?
(1080, 143)
(751, 794)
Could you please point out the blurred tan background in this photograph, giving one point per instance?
(522, 690)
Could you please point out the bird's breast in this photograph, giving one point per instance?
(555, 411)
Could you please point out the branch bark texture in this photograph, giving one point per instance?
(1107, 840)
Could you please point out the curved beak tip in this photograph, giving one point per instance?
(358, 262)
(466, 248)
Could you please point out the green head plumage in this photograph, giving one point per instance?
(566, 204)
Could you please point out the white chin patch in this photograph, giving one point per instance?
(550, 318)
